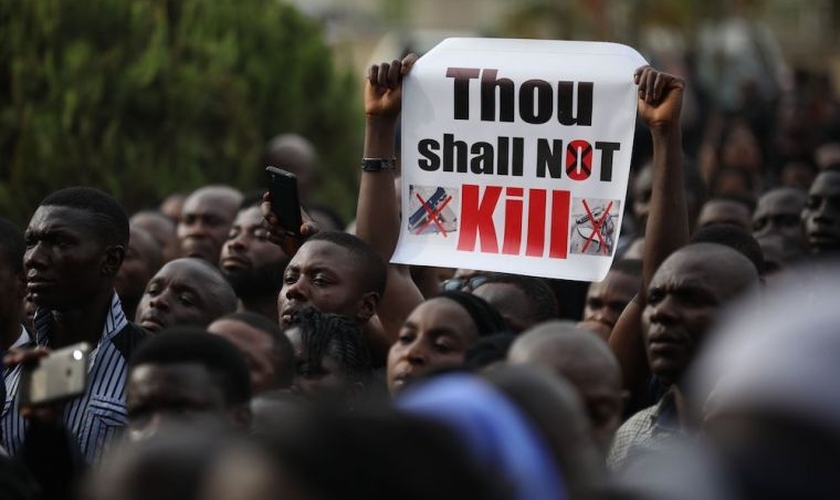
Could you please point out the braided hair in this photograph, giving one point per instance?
(325, 334)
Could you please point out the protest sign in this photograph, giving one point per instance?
(516, 155)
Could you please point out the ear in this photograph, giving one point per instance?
(367, 307)
(114, 256)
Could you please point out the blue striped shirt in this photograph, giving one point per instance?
(94, 419)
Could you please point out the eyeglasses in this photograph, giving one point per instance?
(471, 283)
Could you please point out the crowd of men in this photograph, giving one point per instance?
(232, 361)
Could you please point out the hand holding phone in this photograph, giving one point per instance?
(285, 204)
(59, 375)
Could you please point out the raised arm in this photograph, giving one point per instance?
(377, 213)
(660, 103)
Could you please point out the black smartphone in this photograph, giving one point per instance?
(62, 375)
(284, 199)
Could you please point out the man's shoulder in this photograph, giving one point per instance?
(129, 338)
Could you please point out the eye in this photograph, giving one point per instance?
(261, 235)
(595, 304)
(152, 289)
(233, 233)
(443, 348)
(759, 224)
(320, 281)
(187, 299)
(406, 337)
(813, 202)
(655, 296)
(290, 279)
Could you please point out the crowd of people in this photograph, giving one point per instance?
(234, 360)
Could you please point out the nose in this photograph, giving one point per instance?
(160, 301)
(416, 354)
(665, 312)
(35, 257)
(295, 291)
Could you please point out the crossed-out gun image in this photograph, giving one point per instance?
(419, 220)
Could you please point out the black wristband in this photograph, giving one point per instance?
(379, 164)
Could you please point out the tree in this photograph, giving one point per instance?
(147, 97)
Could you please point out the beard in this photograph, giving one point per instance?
(258, 282)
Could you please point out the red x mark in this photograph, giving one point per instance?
(596, 227)
(433, 214)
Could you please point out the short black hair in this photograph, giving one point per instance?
(285, 367)
(184, 345)
(631, 267)
(323, 334)
(113, 221)
(735, 238)
(12, 246)
(488, 350)
(373, 270)
(540, 296)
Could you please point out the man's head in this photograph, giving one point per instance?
(75, 244)
(267, 351)
(183, 376)
(161, 228)
(642, 188)
(605, 301)
(726, 210)
(12, 280)
(778, 213)
(584, 360)
(142, 261)
(735, 238)
(821, 217)
(205, 221)
(251, 263)
(523, 301)
(336, 273)
(185, 292)
(331, 358)
(684, 297)
(297, 155)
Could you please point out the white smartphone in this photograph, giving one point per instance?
(61, 375)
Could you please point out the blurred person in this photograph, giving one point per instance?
(12, 288)
(331, 359)
(685, 296)
(497, 433)
(778, 213)
(252, 264)
(172, 206)
(732, 181)
(735, 238)
(780, 255)
(161, 228)
(16, 482)
(437, 334)
(821, 216)
(186, 376)
(606, 300)
(171, 465)
(587, 363)
(295, 154)
(797, 175)
(522, 301)
(727, 210)
(767, 384)
(75, 243)
(371, 455)
(269, 354)
(185, 292)
(205, 222)
(142, 260)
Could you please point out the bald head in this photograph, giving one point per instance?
(206, 218)
(583, 359)
(161, 228)
(296, 154)
(685, 297)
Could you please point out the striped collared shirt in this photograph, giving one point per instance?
(94, 419)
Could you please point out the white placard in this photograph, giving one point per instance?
(516, 155)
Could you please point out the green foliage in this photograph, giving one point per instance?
(147, 97)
